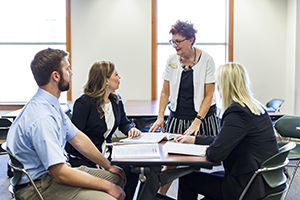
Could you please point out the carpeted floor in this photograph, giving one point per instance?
(294, 193)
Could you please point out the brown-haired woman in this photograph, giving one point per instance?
(98, 113)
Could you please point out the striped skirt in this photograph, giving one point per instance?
(210, 126)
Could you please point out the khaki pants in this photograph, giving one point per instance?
(51, 189)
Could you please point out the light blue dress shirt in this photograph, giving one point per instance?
(38, 135)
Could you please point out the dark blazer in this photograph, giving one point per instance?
(87, 119)
(245, 141)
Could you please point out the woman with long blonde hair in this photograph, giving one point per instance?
(246, 139)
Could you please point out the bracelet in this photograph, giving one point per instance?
(199, 117)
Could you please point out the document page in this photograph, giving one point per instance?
(186, 149)
(136, 151)
(146, 137)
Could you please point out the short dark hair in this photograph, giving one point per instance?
(45, 62)
(185, 29)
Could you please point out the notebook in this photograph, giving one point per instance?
(136, 151)
(185, 149)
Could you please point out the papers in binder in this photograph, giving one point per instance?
(186, 149)
(146, 137)
(136, 151)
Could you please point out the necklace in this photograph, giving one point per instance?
(192, 65)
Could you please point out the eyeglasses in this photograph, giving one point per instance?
(177, 42)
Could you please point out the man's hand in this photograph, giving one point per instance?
(116, 192)
(118, 170)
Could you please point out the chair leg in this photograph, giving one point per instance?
(10, 172)
(11, 190)
(291, 181)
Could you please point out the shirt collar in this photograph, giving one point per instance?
(49, 97)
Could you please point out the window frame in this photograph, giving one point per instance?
(14, 106)
(154, 42)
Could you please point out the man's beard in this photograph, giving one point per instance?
(63, 87)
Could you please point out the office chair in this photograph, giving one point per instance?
(275, 104)
(272, 171)
(4, 127)
(18, 170)
(69, 111)
(287, 127)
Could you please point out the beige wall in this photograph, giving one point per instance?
(115, 30)
(265, 42)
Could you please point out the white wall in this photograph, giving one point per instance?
(260, 45)
(296, 8)
(290, 56)
(116, 30)
(265, 33)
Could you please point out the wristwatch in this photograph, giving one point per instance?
(199, 117)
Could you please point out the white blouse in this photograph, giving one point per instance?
(204, 72)
(109, 120)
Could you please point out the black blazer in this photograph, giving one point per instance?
(245, 141)
(87, 119)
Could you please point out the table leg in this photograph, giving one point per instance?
(149, 188)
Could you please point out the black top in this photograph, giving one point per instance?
(244, 142)
(185, 101)
(87, 119)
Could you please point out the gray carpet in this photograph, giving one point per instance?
(294, 193)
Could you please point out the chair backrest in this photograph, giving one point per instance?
(275, 175)
(275, 104)
(4, 127)
(287, 125)
(272, 170)
(18, 171)
(14, 162)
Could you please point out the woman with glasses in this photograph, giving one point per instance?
(189, 83)
(98, 113)
(246, 139)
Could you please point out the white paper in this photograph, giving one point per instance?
(146, 137)
(136, 151)
(186, 149)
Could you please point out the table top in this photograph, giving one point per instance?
(15, 113)
(143, 108)
(167, 159)
(150, 108)
(12, 114)
(276, 114)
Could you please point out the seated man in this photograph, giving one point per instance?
(39, 134)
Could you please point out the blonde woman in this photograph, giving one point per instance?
(98, 113)
(246, 139)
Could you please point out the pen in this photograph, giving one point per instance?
(188, 134)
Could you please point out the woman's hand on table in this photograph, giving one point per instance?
(160, 122)
(134, 132)
(194, 128)
(185, 139)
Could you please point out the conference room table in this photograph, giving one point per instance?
(152, 176)
(142, 113)
(136, 109)
(13, 114)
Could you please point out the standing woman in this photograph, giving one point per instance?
(98, 113)
(189, 83)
